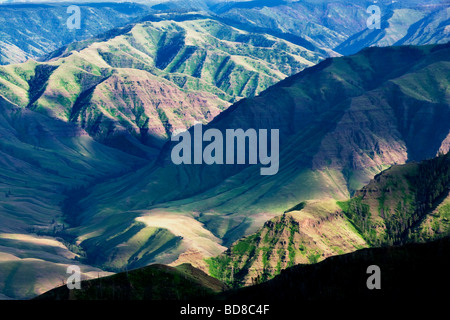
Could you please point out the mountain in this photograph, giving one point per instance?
(87, 176)
(339, 24)
(29, 31)
(132, 87)
(311, 232)
(155, 282)
(100, 108)
(409, 274)
(405, 203)
(341, 123)
(403, 26)
(342, 24)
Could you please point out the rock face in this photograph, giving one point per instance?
(341, 123)
(317, 231)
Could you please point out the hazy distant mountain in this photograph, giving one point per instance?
(422, 25)
(340, 23)
(32, 30)
(326, 24)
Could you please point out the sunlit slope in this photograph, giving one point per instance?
(406, 203)
(31, 265)
(134, 86)
(341, 122)
(90, 114)
(308, 233)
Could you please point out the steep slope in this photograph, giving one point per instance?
(405, 203)
(309, 233)
(156, 282)
(341, 122)
(343, 278)
(403, 26)
(29, 31)
(132, 87)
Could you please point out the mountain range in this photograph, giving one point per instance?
(133, 87)
(341, 122)
(334, 26)
(97, 109)
(340, 276)
(87, 176)
(29, 31)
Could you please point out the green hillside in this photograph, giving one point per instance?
(341, 123)
(337, 279)
(413, 273)
(42, 159)
(93, 114)
(132, 87)
(405, 203)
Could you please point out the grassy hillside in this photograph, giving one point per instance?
(132, 87)
(102, 108)
(42, 159)
(411, 273)
(340, 278)
(341, 123)
(405, 203)
(308, 234)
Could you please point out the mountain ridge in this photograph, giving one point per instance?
(332, 149)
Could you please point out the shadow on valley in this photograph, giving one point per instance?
(408, 273)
